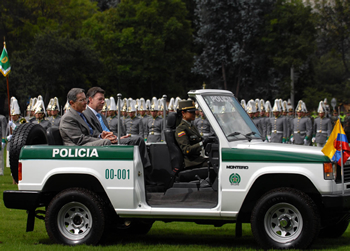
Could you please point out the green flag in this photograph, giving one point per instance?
(5, 66)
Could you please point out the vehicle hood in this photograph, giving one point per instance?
(273, 152)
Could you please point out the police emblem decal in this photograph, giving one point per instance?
(235, 179)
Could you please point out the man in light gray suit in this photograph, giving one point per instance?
(74, 127)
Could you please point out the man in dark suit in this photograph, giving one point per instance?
(96, 100)
(74, 127)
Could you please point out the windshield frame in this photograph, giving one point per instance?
(239, 113)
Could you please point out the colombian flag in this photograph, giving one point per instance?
(336, 141)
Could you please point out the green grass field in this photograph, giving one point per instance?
(163, 236)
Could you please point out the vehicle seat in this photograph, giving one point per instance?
(176, 156)
(54, 136)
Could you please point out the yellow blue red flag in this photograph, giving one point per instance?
(337, 141)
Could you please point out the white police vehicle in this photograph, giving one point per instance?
(289, 194)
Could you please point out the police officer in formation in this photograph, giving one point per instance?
(277, 129)
(113, 118)
(301, 127)
(54, 108)
(251, 110)
(258, 120)
(105, 108)
(16, 118)
(142, 109)
(111, 112)
(203, 125)
(40, 115)
(133, 124)
(154, 125)
(322, 128)
(264, 119)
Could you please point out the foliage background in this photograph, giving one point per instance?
(151, 47)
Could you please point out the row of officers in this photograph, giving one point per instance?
(144, 118)
(282, 124)
(137, 118)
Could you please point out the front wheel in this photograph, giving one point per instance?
(285, 218)
(75, 216)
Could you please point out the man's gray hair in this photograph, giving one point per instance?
(72, 94)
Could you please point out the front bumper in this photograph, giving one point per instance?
(339, 201)
(27, 200)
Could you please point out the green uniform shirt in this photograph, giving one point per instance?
(188, 138)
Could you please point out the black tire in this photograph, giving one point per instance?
(25, 134)
(75, 216)
(334, 231)
(285, 218)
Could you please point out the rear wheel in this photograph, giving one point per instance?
(285, 218)
(75, 216)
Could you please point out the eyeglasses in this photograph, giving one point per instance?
(82, 100)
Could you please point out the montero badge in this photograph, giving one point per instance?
(237, 167)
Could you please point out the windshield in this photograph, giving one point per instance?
(233, 120)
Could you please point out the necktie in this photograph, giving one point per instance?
(90, 128)
(104, 127)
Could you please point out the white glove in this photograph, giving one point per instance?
(3, 145)
(291, 140)
(313, 139)
(305, 142)
(269, 138)
(13, 125)
(9, 137)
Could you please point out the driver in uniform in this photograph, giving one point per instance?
(189, 139)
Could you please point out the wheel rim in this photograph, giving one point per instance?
(74, 221)
(283, 222)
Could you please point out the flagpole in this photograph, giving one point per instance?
(341, 155)
(8, 93)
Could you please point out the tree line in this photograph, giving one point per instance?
(153, 47)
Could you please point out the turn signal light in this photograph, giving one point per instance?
(19, 171)
(328, 171)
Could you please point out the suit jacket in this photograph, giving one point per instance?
(93, 120)
(75, 131)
